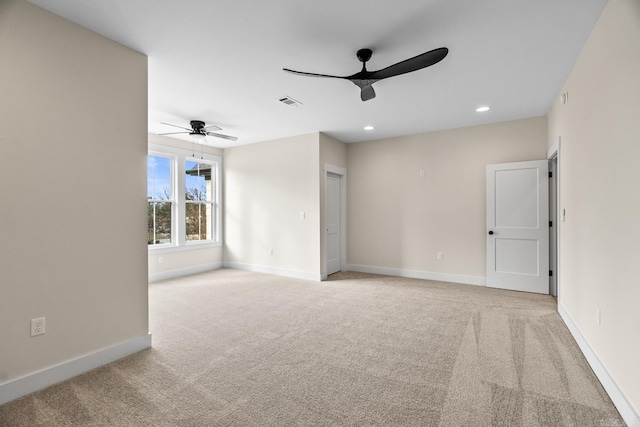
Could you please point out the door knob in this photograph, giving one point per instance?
(491, 232)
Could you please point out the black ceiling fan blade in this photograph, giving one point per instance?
(218, 135)
(176, 126)
(302, 73)
(367, 93)
(419, 62)
(173, 133)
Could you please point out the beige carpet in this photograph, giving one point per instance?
(234, 348)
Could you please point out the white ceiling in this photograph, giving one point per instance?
(221, 61)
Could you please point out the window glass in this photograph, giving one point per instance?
(199, 197)
(158, 178)
(198, 181)
(159, 200)
(159, 223)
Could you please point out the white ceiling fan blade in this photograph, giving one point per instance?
(176, 126)
(218, 135)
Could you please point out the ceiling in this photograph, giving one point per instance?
(221, 61)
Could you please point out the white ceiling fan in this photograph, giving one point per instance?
(199, 128)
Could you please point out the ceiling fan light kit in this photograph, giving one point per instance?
(365, 79)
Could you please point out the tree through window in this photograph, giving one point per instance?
(160, 200)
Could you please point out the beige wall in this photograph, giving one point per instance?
(73, 143)
(600, 190)
(334, 153)
(266, 187)
(399, 220)
(163, 263)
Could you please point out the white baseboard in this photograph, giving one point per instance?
(315, 277)
(416, 274)
(47, 377)
(619, 399)
(155, 277)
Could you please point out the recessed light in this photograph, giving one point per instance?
(483, 109)
(368, 128)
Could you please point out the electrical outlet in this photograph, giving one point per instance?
(440, 256)
(160, 260)
(270, 251)
(421, 174)
(37, 326)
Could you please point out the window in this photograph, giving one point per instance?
(183, 194)
(160, 200)
(200, 206)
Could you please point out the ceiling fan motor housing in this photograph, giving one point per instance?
(364, 55)
(197, 126)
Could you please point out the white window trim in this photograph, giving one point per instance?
(180, 157)
(174, 201)
(215, 203)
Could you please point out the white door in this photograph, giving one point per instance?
(518, 226)
(334, 238)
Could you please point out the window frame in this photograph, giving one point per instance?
(172, 200)
(180, 157)
(214, 202)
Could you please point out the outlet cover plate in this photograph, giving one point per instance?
(37, 326)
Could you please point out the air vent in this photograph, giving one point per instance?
(287, 100)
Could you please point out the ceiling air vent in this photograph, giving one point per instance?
(287, 100)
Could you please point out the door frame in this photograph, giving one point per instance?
(553, 153)
(342, 172)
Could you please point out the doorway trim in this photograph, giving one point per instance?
(342, 172)
(553, 153)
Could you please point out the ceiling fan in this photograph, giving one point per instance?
(199, 128)
(364, 79)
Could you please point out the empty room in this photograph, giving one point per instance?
(357, 213)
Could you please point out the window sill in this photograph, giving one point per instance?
(186, 247)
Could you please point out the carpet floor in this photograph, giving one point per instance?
(235, 348)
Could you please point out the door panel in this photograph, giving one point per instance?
(517, 256)
(520, 211)
(518, 226)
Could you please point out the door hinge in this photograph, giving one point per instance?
(550, 273)
(550, 223)
(550, 174)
